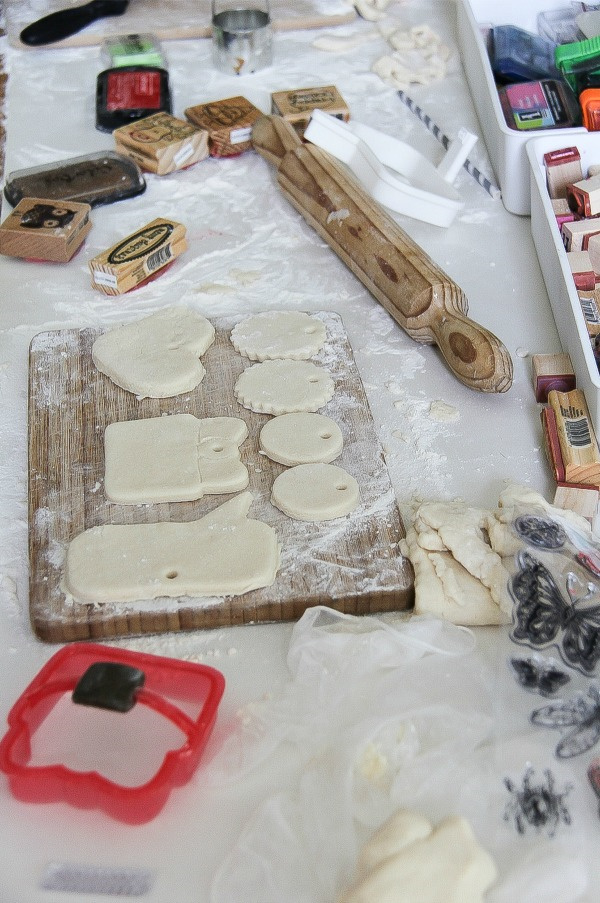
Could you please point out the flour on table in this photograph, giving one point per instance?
(224, 553)
(284, 387)
(302, 438)
(443, 412)
(409, 860)
(315, 492)
(176, 458)
(157, 356)
(277, 334)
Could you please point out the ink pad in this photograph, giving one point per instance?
(127, 93)
(99, 178)
(132, 50)
(544, 104)
(521, 56)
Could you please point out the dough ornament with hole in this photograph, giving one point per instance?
(157, 356)
(409, 860)
(302, 438)
(225, 553)
(279, 334)
(284, 387)
(315, 492)
(176, 458)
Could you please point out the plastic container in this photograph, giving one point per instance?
(521, 56)
(105, 686)
(133, 50)
(560, 286)
(506, 147)
(100, 178)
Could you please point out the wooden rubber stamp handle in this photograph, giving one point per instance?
(422, 299)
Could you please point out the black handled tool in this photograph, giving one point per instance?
(65, 22)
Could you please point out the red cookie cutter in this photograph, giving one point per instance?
(115, 679)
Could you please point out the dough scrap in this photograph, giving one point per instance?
(176, 458)
(315, 492)
(302, 438)
(284, 387)
(278, 334)
(411, 861)
(224, 553)
(463, 556)
(157, 356)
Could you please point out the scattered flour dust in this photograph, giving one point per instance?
(412, 447)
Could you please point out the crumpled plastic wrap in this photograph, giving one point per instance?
(376, 717)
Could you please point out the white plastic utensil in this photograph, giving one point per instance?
(394, 173)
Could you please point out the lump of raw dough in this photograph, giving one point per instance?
(224, 553)
(157, 356)
(176, 458)
(315, 492)
(278, 334)
(411, 861)
(302, 438)
(284, 387)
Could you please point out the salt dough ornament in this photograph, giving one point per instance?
(177, 458)
(274, 334)
(284, 387)
(411, 861)
(224, 553)
(315, 492)
(157, 356)
(303, 438)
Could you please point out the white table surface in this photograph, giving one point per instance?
(239, 223)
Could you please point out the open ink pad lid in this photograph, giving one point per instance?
(127, 93)
(99, 178)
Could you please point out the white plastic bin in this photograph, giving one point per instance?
(505, 146)
(560, 286)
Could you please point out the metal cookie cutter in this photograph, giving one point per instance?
(394, 173)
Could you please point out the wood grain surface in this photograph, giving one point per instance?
(422, 299)
(352, 564)
(169, 19)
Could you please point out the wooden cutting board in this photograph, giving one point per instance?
(352, 564)
(170, 19)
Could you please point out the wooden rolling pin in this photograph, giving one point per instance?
(425, 302)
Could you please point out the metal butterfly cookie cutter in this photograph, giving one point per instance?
(393, 172)
(184, 694)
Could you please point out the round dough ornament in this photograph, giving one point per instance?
(302, 438)
(283, 387)
(315, 492)
(276, 334)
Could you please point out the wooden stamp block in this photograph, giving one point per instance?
(551, 371)
(584, 196)
(296, 106)
(582, 500)
(161, 143)
(576, 233)
(552, 444)
(590, 308)
(578, 444)
(45, 229)
(563, 167)
(582, 270)
(228, 123)
(138, 257)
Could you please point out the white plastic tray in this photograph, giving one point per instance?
(560, 286)
(506, 147)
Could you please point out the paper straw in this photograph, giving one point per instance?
(479, 177)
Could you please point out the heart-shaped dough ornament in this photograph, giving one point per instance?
(157, 356)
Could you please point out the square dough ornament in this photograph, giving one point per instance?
(175, 458)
